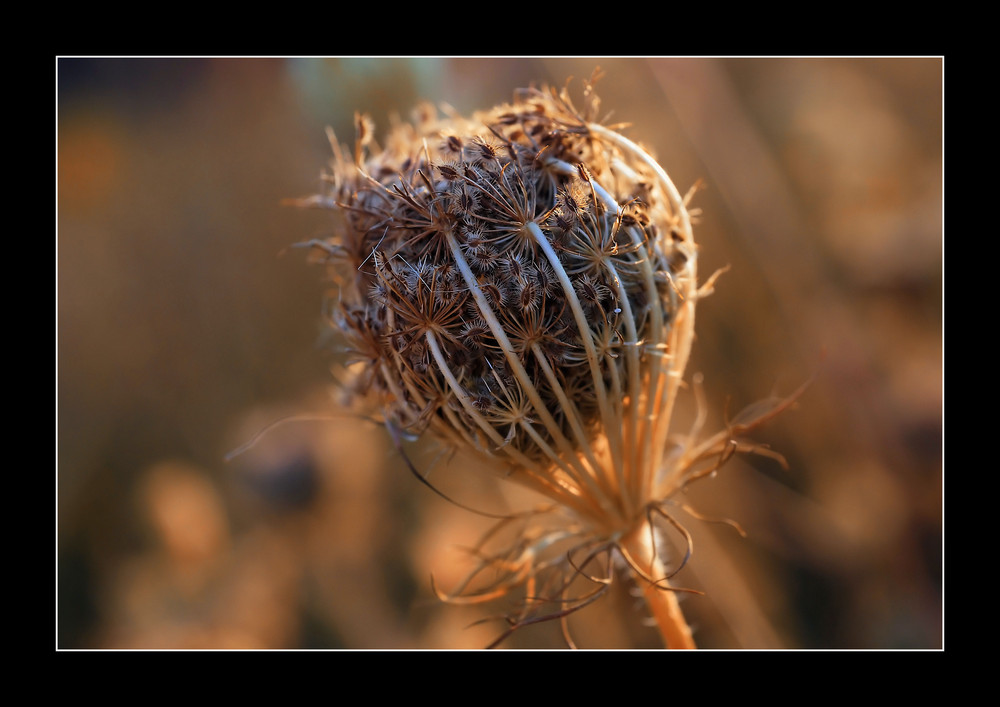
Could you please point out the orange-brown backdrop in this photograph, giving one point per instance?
(186, 324)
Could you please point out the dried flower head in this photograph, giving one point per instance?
(522, 285)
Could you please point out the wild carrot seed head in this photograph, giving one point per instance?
(509, 290)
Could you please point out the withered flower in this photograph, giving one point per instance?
(521, 285)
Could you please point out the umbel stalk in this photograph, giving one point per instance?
(660, 598)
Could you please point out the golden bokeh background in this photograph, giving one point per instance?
(186, 324)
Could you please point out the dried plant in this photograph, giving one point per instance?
(521, 285)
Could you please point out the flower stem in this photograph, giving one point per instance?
(660, 598)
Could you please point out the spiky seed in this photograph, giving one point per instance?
(452, 144)
(484, 150)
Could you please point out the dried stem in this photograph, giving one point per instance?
(660, 597)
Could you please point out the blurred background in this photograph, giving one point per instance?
(186, 324)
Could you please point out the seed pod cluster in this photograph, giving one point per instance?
(520, 284)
